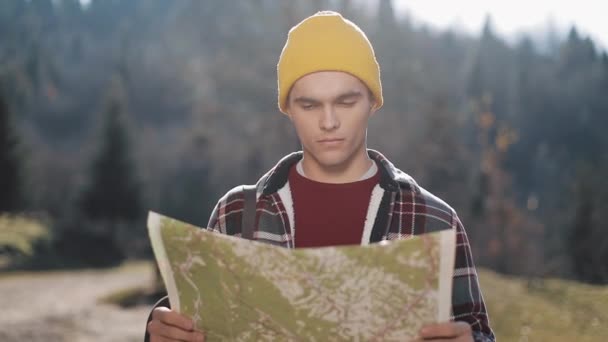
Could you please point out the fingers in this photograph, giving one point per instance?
(460, 331)
(167, 325)
(173, 318)
(160, 332)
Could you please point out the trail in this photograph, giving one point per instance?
(63, 306)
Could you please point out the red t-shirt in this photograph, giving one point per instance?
(329, 214)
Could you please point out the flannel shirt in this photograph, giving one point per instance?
(398, 209)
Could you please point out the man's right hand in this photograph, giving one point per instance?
(167, 325)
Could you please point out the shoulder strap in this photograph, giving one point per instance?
(249, 211)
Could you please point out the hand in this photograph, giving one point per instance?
(449, 331)
(167, 325)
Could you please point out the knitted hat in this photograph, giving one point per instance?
(327, 42)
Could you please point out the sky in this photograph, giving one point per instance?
(510, 18)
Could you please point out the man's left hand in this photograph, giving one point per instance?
(449, 331)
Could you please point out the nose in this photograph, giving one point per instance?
(329, 120)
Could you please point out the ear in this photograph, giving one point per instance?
(373, 108)
(372, 103)
(288, 108)
(288, 113)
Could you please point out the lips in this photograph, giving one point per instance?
(330, 140)
(330, 143)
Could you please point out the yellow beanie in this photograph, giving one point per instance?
(327, 42)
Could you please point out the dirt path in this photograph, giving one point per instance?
(63, 306)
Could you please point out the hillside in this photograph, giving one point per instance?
(550, 310)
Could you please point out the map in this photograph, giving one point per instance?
(241, 290)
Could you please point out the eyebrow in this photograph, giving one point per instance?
(349, 95)
(304, 99)
(345, 96)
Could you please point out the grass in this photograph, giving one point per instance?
(128, 297)
(545, 310)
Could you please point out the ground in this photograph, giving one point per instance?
(64, 305)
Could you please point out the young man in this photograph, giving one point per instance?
(336, 191)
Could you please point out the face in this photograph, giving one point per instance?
(330, 111)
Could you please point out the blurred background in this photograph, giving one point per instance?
(111, 108)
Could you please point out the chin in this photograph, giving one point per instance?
(331, 159)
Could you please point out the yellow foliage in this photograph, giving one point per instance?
(505, 138)
(486, 120)
(18, 233)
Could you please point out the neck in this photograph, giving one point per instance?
(350, 170)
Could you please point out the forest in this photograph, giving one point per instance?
(112, 108)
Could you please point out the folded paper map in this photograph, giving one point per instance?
(241, 290)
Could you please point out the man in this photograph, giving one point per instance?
(336, 191)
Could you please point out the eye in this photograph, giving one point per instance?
(347, 103)
(308, 106)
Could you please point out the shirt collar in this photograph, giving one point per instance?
(391, 178)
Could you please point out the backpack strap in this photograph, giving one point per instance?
(249, 211)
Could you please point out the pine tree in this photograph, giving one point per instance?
(111, 200)
(386, 15)
(113, 191)
(588, 240)
(10, 180)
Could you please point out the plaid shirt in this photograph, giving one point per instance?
(398, 208)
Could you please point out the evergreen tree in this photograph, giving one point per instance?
(582, 261)
(386, 15)
(10, 182)
(346, 8)
(110, 203)
(588, 240)
(113, 191)
(577, 53)
(188, 194)
(491, 69)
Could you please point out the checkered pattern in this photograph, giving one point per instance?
(405, 210)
